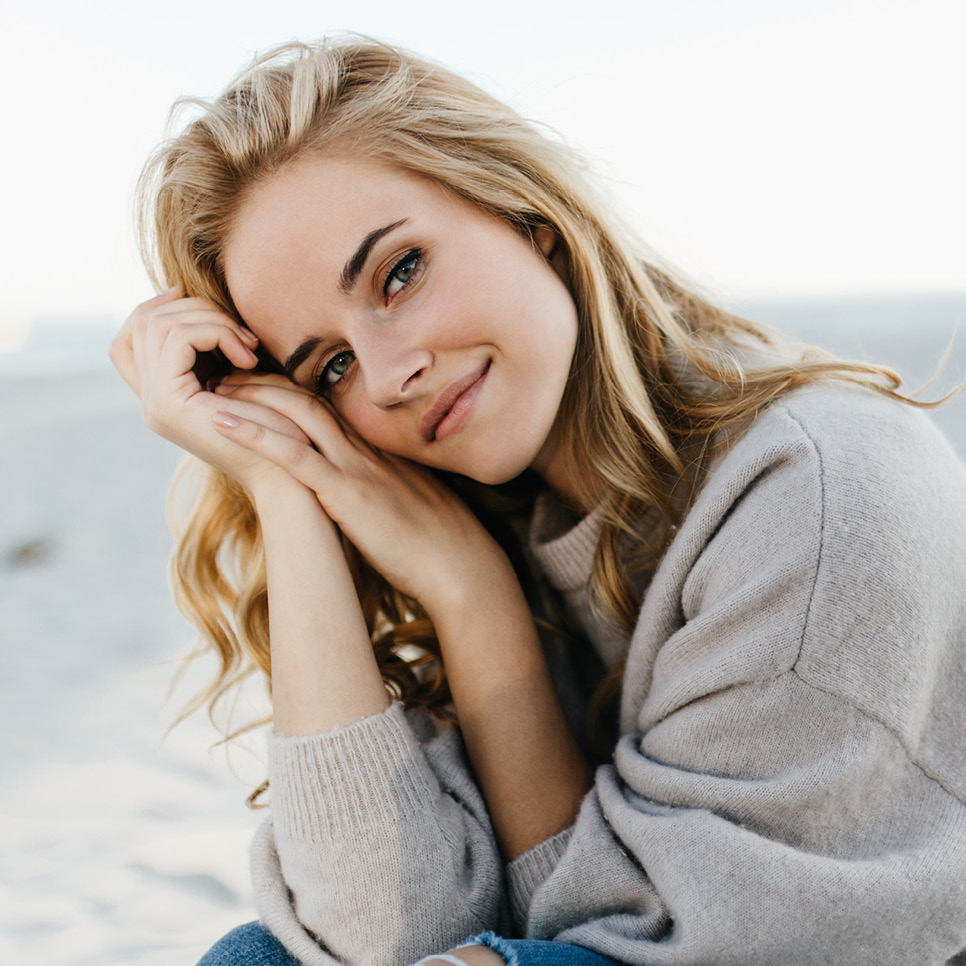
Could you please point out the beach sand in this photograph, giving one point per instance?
(120, 845)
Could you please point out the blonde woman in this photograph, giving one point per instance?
(601, 625)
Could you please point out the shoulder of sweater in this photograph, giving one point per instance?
(850, 435)
(867, 482)
(864, 500)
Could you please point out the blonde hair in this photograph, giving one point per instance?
(658, 369)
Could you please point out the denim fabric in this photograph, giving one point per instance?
(539, 952)
(253, 945)
(248, 945)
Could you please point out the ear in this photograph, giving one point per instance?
(546, 240)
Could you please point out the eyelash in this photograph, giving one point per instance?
(322, 384)
(413, 257)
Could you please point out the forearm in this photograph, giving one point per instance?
(324, 673)
(526, 759)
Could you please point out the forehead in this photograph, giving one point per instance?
(310, 192)
(314, 212)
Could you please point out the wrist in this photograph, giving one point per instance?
(284, 505)
(276, 487)
(480, 575)
(484, 587)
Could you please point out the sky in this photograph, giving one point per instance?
(769, 148)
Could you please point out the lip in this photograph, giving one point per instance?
(452, 405)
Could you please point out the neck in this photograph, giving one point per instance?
(576, 486)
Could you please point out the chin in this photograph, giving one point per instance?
(494, 473)
(492, 479)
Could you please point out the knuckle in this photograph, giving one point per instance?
(298, 453)
(259, 433)
(151, 418)
(139, 326)
(154, 415)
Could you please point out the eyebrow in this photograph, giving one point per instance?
(304, 349)
(355, 264)
(347, 280)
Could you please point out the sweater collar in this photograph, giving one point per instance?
(563, 543)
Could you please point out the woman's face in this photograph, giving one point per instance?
(436, 331)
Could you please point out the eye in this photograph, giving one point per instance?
(402, 273)
(333, 371)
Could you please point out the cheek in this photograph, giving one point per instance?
(376, 427)
(451, 319)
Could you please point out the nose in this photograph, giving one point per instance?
(393, 374)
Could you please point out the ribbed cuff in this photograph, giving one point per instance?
(527, 872)
(369, 774)
(274, 902)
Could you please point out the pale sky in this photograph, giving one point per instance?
(768, 147)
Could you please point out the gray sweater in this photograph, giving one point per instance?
(790, 777)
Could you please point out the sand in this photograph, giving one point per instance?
(118, 845)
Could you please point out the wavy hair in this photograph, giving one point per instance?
(659, 370)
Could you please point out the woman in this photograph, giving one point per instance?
(757, 547)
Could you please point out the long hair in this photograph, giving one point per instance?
(657, 373)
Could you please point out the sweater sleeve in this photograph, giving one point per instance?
(379, 848)
(790, 782)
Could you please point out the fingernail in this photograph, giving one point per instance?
(226, 420)
(248, 333)
(224, 389)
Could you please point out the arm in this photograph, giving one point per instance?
(380, 837)
(379, 848)
(424, 540)
(324, 673)
(789, 787)
(381, 822)
(532, 773)
(370, 815)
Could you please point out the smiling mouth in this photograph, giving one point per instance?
(452, 405)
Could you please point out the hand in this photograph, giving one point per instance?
(410, 527)
(157, 353)
(427, 543)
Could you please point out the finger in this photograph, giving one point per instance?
(168, 295)
(121, 353)
(198, 310)
(123, 350)
(158, 325)
(295, 456)
(261, 379)
(165, 311)
(312, 415)
(141, 338)
(243, 384)
(179, 350)
(269, 418)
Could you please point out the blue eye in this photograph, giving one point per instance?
(401, 274)
(334, 370)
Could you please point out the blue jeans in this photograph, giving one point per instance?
(248, 945)
(252, 945)
(539, 952)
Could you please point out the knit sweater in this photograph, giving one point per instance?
(789, 781)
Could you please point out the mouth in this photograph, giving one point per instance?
(452, 405)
